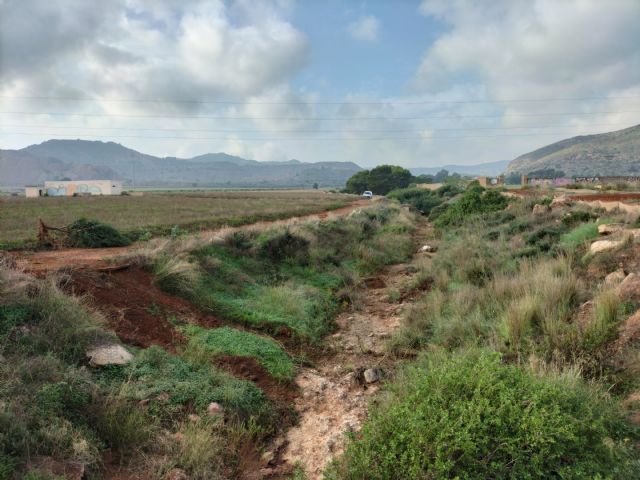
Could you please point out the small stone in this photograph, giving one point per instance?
(176, 474)
(109, 355)
(267, 457)
(427, 249)
(215, 409)
(372, 375)
(144, 402)
(193, 417)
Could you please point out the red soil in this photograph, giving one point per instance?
(606, 197)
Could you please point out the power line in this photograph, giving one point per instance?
(343, 102)
(343, 118)
(208, 130)
(266, 139)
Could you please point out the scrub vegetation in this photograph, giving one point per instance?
(518, 372)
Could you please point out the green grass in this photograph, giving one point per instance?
(579, 236)
(469, 416)
(229, 341)
(293, 279)
(158, 213)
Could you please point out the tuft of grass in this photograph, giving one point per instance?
(230, 341)
(176, 275)
(579, 236)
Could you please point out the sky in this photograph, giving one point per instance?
(418, 83)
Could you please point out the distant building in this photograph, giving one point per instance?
(491, 181)
(56, 188)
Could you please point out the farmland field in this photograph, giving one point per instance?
(158, 213)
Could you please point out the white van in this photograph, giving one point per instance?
(367, 194)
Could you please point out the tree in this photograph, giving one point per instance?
(315, 186)
(441, 176)
(358, 183)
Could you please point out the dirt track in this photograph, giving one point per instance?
(102, 258)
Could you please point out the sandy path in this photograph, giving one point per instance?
(100, 258)
(334, 395)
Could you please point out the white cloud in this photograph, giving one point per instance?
(365, 29)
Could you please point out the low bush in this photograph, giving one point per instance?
(230, 341)
(469, 416)
(421, 199)
(474, 201)
(279, 246)
(85, 233)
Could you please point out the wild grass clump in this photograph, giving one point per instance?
(176, 275)
(230, 341)
(85, 233)
(281, 245)
(468, 415)
(578, 237)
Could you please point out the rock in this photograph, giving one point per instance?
(267, 457)
(215, 409)
(539, 209)
(609, 228)
(109, 355)
(629, 289)
(560, 201)
(427, 249)
(193, 417)
(176, 474)
(614, 278)
(605, 246)
(372, 375)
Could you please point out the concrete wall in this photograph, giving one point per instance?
(33, 192)
(86, 187)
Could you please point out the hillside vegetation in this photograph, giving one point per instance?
(613, 153)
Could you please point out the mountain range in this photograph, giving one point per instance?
(484, 169)
(608, 154)
(89, 160)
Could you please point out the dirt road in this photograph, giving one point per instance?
(334, 395)
(102, 258)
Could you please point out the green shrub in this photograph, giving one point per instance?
(578, 236)
(575, 217)
(470, 416)
(545, 238)
(230, 341)
(278, 246)
(85, 233)
(419, 198)
(475, 200)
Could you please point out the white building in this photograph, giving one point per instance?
(56, 188)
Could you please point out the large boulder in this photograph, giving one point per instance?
(109, 355)
(629, 289)
(610, 228)
(615, 278)
(605, 246)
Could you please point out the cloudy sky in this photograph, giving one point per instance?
(416, 83)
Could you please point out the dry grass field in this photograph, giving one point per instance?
(159, 213)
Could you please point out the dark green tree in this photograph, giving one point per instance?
(358, 183)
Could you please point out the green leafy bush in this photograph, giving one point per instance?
(475, 200)
(469, 416)
(230, 341)
(279, 246)
(420, 198)
(85, 233)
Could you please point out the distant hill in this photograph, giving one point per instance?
(482, 169)
(81, 159)
(613, 153)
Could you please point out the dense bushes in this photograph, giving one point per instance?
(474, 201)
(85, 233)
(423, 199)
(469, 416)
